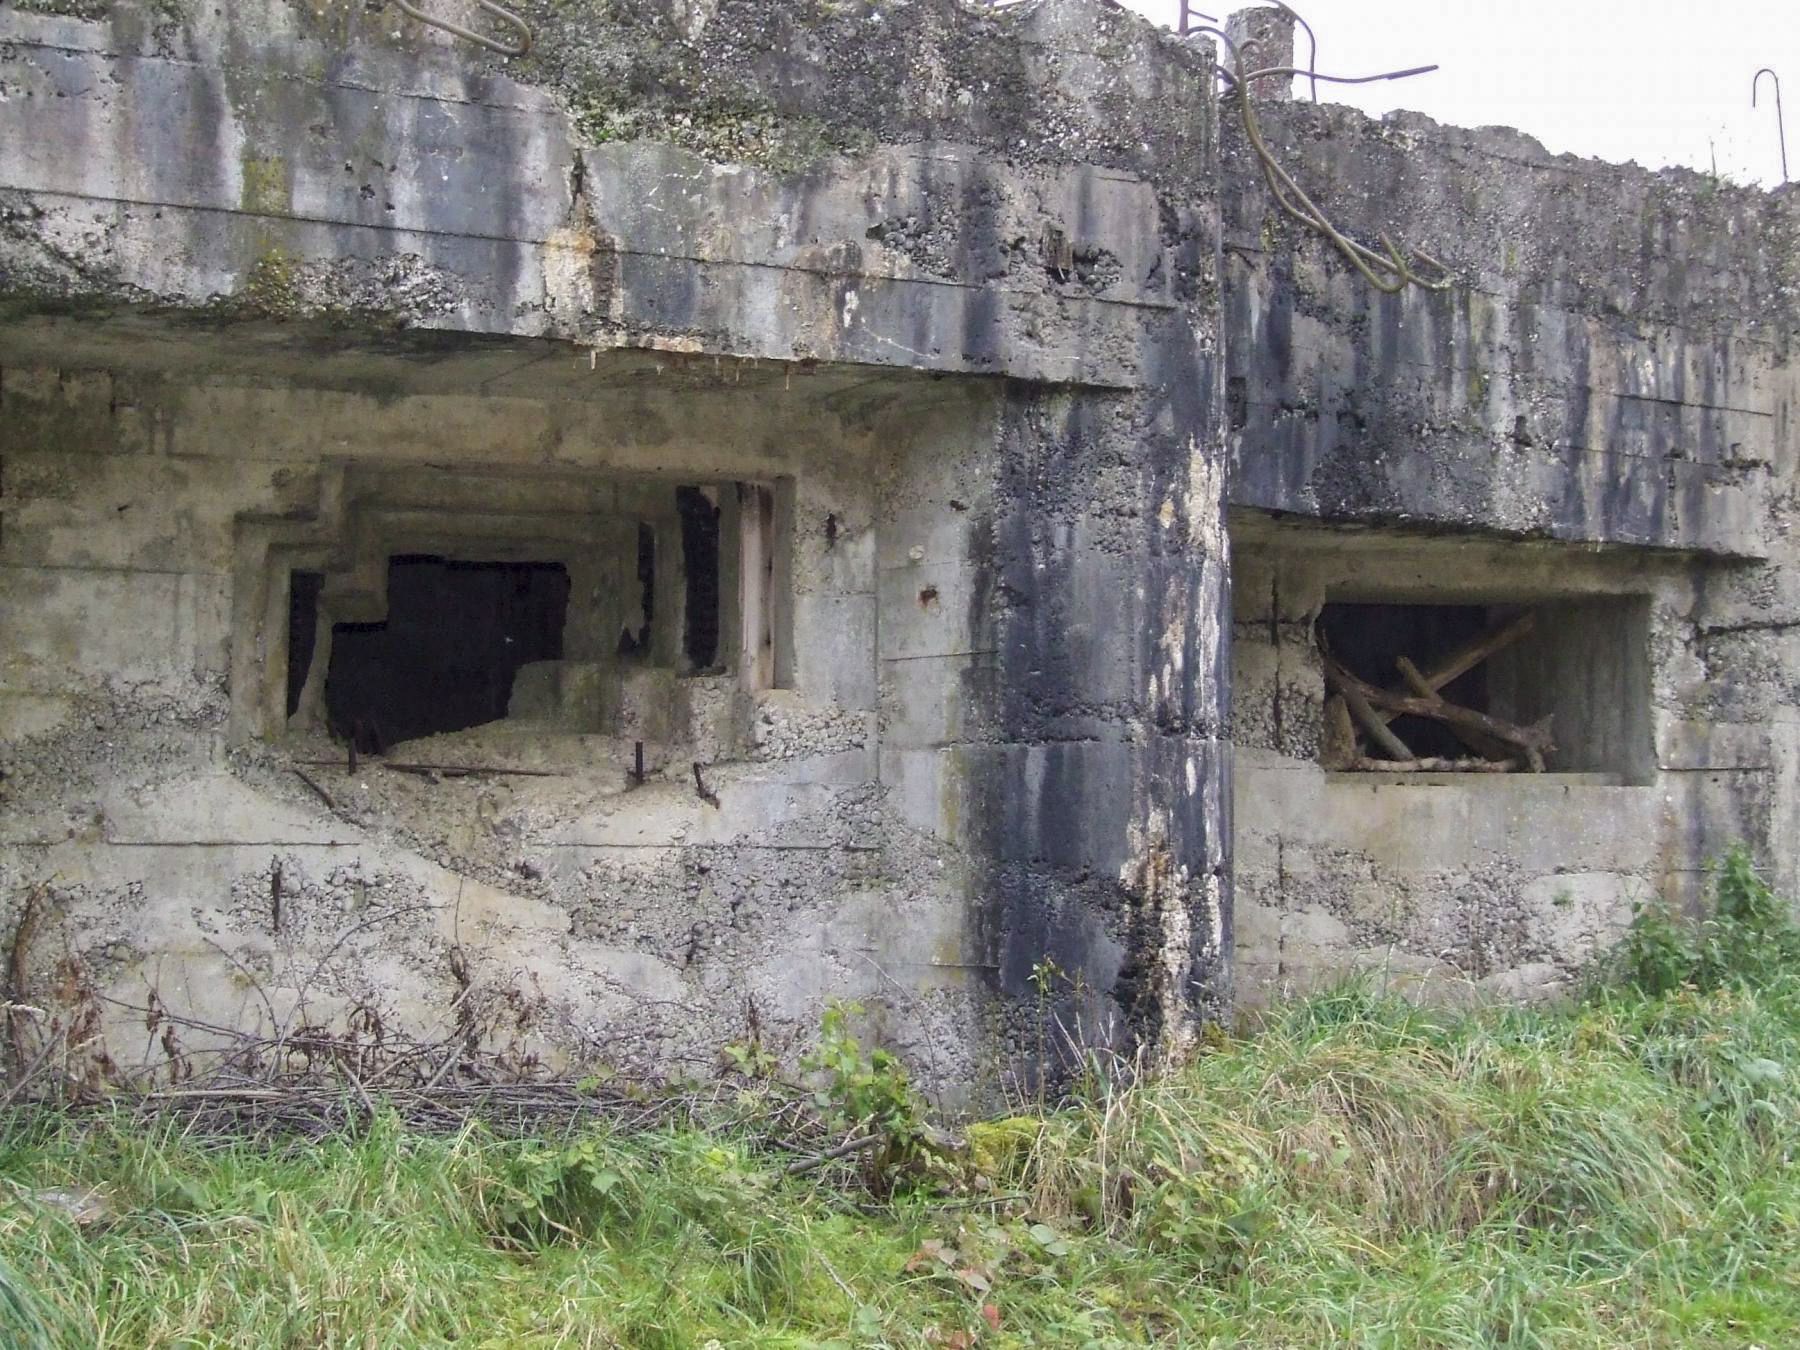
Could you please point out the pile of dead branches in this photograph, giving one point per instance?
(311, 1083)
(297, 1079)
(1359, 715)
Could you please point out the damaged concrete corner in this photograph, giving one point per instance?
(712, 527)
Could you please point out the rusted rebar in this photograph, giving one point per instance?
(1391, 270)
(493, 44)
(1780, 121)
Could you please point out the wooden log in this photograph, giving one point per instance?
(1355, 697)
(1533, 740)
(1472, 653)
(1486, 746)
(1337, 738)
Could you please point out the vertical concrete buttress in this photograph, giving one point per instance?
(1103, 798)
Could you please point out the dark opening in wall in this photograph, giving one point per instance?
(700, 561)
(637, 642)
(303, 631)
(1367, 640)
(455, 635)
(1559, 685)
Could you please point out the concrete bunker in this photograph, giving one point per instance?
(907, 531)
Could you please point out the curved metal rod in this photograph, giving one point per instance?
(1210, 30)
(1389, 270)
(1312, 60)
(1339, 79)
(500, 12)
(1312, 55)
(1780, 121)
(1188, 14)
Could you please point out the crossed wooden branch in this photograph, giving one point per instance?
(1499, 745)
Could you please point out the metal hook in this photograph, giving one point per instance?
(1312, 60)
(500, 12)
(1388, 271)
(1185, 23)
(1780, 122)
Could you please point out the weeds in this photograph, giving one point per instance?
(869, 1096)
(1748, 935)
(1359, 1172)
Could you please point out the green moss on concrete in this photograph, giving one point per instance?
(268, 186)
(272, 286)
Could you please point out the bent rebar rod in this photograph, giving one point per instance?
(500, 12)
(1780, 124)
(1388, 271)
(1312, 60)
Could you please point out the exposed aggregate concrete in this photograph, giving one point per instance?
(1003, 299)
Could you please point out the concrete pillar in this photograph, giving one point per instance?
(1272, 32)
(1101, 788)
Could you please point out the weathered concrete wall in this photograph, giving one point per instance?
(855, 833)
(255, 158)
(999, 314)
(289, 287)
(1504, 883)
(1611, 362)
(1612, 366)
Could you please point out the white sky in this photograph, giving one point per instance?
(1646, 80)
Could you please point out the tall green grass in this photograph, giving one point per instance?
(1359, 1171)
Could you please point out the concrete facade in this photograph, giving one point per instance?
(1595, 423)
(972, 340)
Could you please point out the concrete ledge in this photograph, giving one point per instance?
(158, 183)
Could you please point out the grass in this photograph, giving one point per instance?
(1357, 1172)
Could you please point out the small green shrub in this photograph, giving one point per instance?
(570, 1189)
(1748, 935)
(698, 1202)
(869, 1092)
